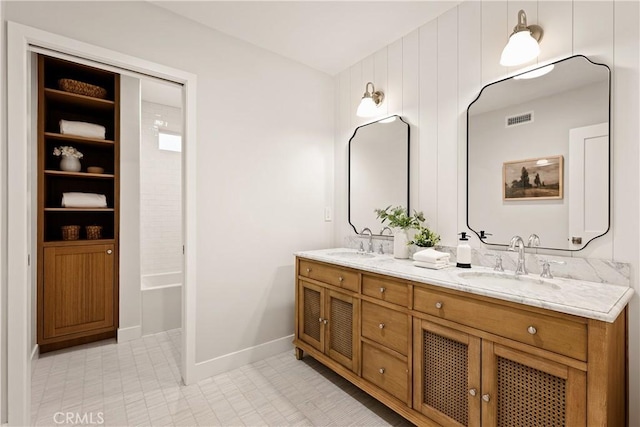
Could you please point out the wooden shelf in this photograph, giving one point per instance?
(78, 209)
(79, 174)
(81, 100)
(80, 139)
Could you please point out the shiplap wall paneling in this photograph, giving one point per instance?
(448, 126)
(469, 84)
(357, 90)
(410, 108)
(494, 37)
(428, 124)
(555, 18)
(394, 78)
(593, 30)
(341, 158)
(380, 77)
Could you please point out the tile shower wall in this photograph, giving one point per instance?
(160, 192)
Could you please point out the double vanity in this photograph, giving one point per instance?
(466, 347)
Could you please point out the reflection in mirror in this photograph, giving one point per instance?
(538, 156)
(378, 171)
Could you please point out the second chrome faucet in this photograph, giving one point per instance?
(518, 244)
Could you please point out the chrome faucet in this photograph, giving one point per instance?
(385, 229)
(517, 241)
(533, 240)
(370, 250)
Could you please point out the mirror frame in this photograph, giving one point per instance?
(349, 166)
(609, 152)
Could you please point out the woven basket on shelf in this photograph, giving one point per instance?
(82, 88)
(70, 232)
(94, 232)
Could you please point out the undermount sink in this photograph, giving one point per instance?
(486, 278)
(351, 255)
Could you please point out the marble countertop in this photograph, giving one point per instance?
(599, 301)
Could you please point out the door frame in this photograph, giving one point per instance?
(21, 41)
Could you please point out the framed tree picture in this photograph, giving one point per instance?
(533, 179)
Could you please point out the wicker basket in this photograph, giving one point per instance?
(82, 88)
(94, 232)
(70, 232)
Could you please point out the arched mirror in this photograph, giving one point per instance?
(538, 156)
(378, 171)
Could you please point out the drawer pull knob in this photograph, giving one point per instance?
(438, 305)
(109, 251)
(381, 325)
(382, 290)
(340, 279)
(532, 330)
(486, 397)
(381, 370)
(308, 270)
(473, 392)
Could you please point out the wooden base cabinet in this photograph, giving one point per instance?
(327, 322)
(463, 380)
(78, 291)
(440, 357)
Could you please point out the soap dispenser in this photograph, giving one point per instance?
(463, 253)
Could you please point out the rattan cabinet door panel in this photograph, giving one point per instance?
(519, 389)
(446, 374)
(341, 328)
(311, 312)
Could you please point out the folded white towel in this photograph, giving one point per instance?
(83, 200)
(431, 255)
(438, 266)
(437, 263)
(88, 130)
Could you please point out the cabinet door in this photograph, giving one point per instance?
(446, 374)
(341, 328)
(78, 289)
(311, 314)
(519, 389)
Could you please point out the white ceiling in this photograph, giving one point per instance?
(329, 36)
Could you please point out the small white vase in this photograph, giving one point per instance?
(70, 164)
(400, 247)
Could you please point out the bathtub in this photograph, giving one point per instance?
(161, 302)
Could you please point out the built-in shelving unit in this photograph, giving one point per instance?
(77, 279)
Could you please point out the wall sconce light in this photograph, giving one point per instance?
(370, 102)
(523, 43)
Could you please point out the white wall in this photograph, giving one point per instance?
(432, 74)
(264, 172)
(129, 326)
(160, 192)
(3, 229)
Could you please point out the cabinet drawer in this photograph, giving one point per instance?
(385, 371)
(385, 326)
(386, 290)
(335, 276)
(550, 333)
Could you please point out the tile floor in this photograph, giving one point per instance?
(138, 383)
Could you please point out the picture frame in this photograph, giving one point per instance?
(539, 178)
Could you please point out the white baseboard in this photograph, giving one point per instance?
(130, 333)
(221, 364)
(35, 353)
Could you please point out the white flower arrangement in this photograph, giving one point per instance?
(68, 151)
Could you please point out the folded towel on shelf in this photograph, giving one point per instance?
(88, 130)
(431, 255)
(84, 200)
(432, 265)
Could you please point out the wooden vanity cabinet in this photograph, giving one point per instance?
(441, 357)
